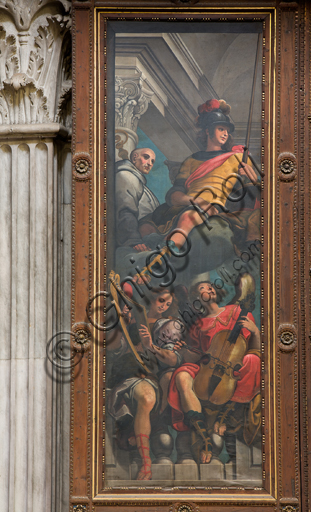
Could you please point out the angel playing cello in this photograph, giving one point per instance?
(189, 411)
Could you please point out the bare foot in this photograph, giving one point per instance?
(206, 453)
(145, 472)
(219, 429)
(206, 457)
(222, 430)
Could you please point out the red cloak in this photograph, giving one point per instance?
(201, 336)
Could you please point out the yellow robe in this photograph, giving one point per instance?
(216, 185)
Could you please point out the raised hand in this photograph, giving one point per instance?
(141, 248)
(145, 337)
(248, 324)
(179, 345)
(206, 206)
(142, 280)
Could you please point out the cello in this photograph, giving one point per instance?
(219, 367)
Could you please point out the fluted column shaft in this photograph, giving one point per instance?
(35, 84)
(27, 230)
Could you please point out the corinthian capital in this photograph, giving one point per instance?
(35, 70)
(131, 101)
(23, 11)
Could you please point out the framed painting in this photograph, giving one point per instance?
(187, 299)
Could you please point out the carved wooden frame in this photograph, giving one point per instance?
(285, 256)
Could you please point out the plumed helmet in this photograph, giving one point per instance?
(217, 117)
(212, 113)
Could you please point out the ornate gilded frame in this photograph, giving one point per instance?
(285, 267)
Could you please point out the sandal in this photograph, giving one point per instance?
(223, 416)
(144, 473)
(206, 451)
(201, 445)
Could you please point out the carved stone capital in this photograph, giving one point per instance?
(21, 102)
(24, 12)
(35, 80)
(131, 102)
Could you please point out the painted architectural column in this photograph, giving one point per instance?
(35, 85)
(131, 102)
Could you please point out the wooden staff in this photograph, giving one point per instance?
(251, 106)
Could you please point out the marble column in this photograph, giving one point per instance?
(35, 86)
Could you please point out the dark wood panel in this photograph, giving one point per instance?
(285, 280)
(287, 250)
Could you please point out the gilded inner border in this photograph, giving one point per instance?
(100, 279)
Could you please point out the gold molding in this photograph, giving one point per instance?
(257, 498)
